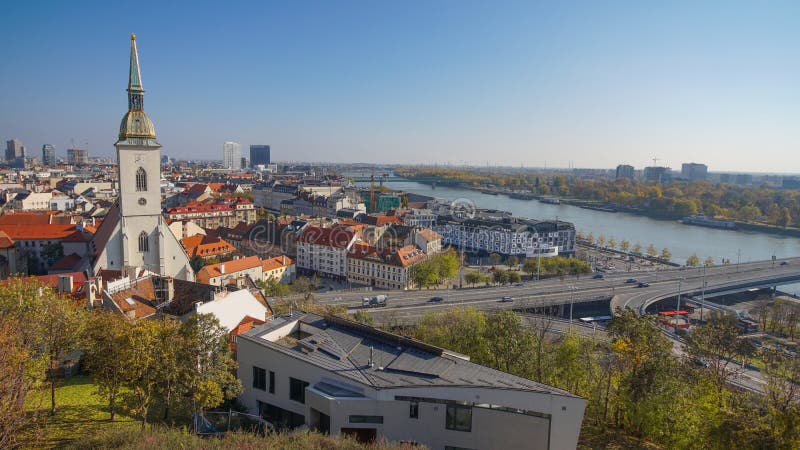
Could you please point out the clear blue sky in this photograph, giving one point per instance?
(594, 83)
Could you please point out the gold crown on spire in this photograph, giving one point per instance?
(133, 37)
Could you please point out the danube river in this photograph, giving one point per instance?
(681, 240)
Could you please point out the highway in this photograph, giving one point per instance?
(554, 291)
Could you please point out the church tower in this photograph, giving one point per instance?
(140, 238)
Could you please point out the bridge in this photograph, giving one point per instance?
(389, 179)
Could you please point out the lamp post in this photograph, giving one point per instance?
(571, 300)
(678, 308)
(703, 293)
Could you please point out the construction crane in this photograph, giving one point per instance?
(372, 192)
(655, 161)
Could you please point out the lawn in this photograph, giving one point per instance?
(79, 413)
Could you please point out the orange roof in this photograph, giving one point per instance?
(28, 218)
(236, 265)
(429, 235)
(5, 241)
(206, 246)
(276, 262)
(38, 232)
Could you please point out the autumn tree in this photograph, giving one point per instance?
(106, 337)
(651, 251)
(717, 345)
(624, 245)
(693, 261)
(666, 255)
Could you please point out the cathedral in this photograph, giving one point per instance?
(134, 234)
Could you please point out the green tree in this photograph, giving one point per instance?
(62, 321)
(717, 344)
(495, 258)
(748, 213)
(693, 261)
(141, 365)
(424, 274)
(509, 342)
(473, 278)
(209, 369)
(106, 337)
(500, 276)
(785, 218)
(460, 330)
(514, 277)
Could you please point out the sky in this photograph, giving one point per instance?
(535, 84)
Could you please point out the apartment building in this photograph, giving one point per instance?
(506, 235)
(324, 250)
(215, 213)
(343, 377)
(382, 268)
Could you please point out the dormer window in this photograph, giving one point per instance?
(141, 180)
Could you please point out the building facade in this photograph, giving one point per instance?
(507, 236)
(259, 155)
(78, 156)
(324, 251)
(382, 268)
(231, 155)
(344, 378)
(14, 150)
(694, 171)
(48, 155)
(625, 171)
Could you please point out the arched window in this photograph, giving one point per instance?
(144, 243)
(141, 180)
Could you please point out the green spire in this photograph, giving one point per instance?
(135, 76)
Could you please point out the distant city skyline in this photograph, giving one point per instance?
(529, 84)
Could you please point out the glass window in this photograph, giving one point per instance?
(259, 378)
(297, 390)
(458, 418)
(141, 180)
(413, 410)
(271, 382)
(144, 244)
(366, 419)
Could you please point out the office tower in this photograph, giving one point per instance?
(48, 155)
(694, 171)
(14, 150)
(625, 171)
(259, 155)
(231, 155)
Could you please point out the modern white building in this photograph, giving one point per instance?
(134, 233)
(342, 377)
(231, 155)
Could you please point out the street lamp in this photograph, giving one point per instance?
(571, 299)
(703, 293)
(678, 308)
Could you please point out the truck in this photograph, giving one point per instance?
(374, 301)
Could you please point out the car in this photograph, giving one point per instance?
(507, 299)
(598, 276)
(644, 284)
(784, 263)
(436, 299)
(631, 280)
(519, 284)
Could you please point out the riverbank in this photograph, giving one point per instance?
(595, 205)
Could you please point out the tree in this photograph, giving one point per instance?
(651, 251)
(512, 261)
(624, 245)
(500, 276)
(495, 258)
(612, 243)
(748, 213)
(709, 261)
(693, 261)
(461, 330)
(531, 266)
(783, 397)
(106, 336)
(62, 322)
(141, 367)
(509, 342)
(207, 363)
(666, 255)
(473, 278)
(514, 277)
(785, 218)
(637, 248)
(601, 241)
(717, 345)
(424, 274)
(590, 238)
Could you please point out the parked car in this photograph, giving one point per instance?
(436, 299)
(507, 299)
(644, 284)
(784, 263)
(631, 280)
(598, 276)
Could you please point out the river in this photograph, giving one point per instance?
(681, 240)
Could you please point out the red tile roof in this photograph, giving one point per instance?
(206, 246)
(276, 263)
(68, 262)
(337, 237)
(5, 241)
(236, 265)
(38, 232)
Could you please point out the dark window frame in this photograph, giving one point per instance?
(259, 378)
(359, 418)
(297, 390)
(454, 422)
(271, 382)
(413, 410)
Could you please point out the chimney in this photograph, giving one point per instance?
(371, 360)
(283, 260)
(222, 269)
(170, 288)
(65, 284)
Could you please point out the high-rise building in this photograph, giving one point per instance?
(14, 150)
(134, 234)
(694, 171)
(231, 155)
(625, 171)
(48, 155)
(657, 174)
(259, 155)
(78, 156)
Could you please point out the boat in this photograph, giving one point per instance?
(550, 200)
(703, 221)
(521, 195)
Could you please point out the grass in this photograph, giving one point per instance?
(80, 412)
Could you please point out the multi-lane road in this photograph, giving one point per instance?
(407, 305)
